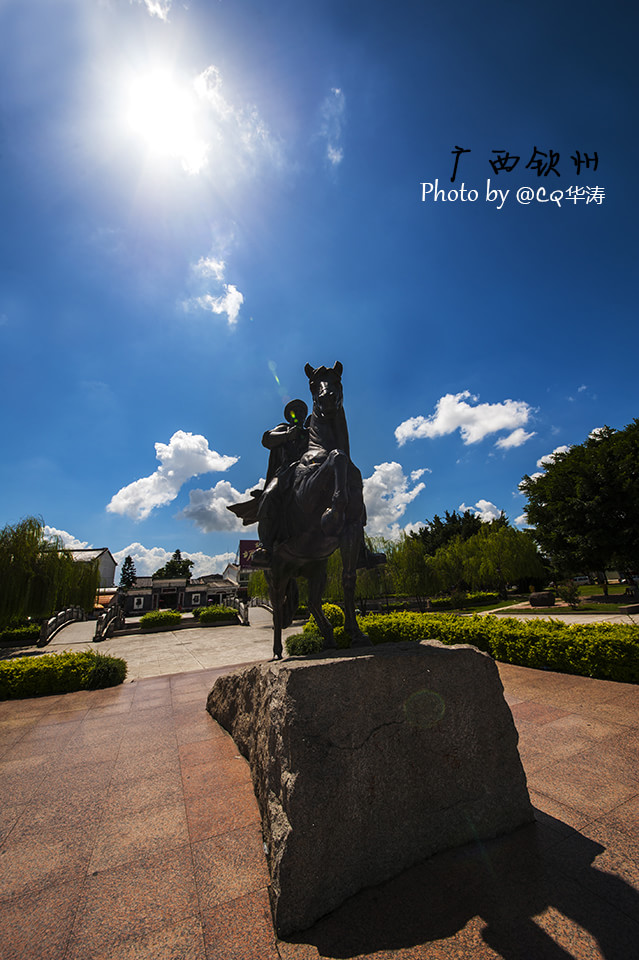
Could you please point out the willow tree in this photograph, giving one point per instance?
(39, 576)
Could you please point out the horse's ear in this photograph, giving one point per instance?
(309, 371)
(337, 367)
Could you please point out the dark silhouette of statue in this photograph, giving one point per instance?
(312, 504)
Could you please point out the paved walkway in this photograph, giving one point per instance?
(129, 829)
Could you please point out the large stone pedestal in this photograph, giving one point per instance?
(366, 763)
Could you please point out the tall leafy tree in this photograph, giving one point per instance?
(38, 576)
(128, 574)
(175, 568)
(499, 555)
(584, 507)
(437, 532)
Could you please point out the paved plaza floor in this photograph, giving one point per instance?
(129, 829)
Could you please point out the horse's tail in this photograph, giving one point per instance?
(291, 600)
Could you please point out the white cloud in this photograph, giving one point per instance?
(158, 8)
(207, 508)
(149, 559)
(484, 509)
(514, 439)
(214, 295)
(549, 457)
(239, 139)
(186, 455)
(596, 433)
(332, 113)
(387, 494)
(582, 388)
(414, 527)
(210, 267)
(521, 521)
(228, 303)
(68, 540)
(474, 422)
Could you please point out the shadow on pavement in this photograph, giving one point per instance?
(532, 895)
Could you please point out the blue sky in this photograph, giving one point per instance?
(199, 198)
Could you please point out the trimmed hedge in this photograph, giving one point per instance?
(216, 612)
(20, 635)
(159, 618)
(606, 651)
(334, 615)
(52, 673)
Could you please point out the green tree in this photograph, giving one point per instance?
(411, 574)
(39, 576)
(499, 555)
(438, 533)
(584, 507)
(175, 568)
(128, 574)
(257, 585)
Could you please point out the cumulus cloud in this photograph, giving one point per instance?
(521, 521)
(484, 509)
(68, 540)
(387, 494)
(474, 420)
(149, 559)
(514, 439)
(549, 457)
(186, 455)
(207, 508)
(332, 114)
(597, 433)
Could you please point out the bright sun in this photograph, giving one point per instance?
(163, 114)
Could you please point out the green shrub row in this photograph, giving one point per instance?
(159, 618)
(334, 615)
(603, 650)
(18, 635)
(52, 673)
(216, 612)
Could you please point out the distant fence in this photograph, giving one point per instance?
(51, 626)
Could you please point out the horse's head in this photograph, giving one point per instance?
(326, 388)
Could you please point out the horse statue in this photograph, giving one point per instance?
(312, 504)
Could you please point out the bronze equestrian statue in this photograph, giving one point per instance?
(311, 505)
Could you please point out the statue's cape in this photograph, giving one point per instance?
(247, 510)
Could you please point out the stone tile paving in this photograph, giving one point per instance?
(129, 829)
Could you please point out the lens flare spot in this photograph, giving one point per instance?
(424, 709)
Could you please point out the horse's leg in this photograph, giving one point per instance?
(316, 584)
(349, 549)
(276, 590)
(334, 517)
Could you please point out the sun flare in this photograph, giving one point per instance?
(163, 114)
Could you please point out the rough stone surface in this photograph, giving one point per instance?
(367, 763)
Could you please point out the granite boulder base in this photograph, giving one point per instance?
(367, 763)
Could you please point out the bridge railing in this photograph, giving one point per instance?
(111, 620)
(242, 608)
(55, 623)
